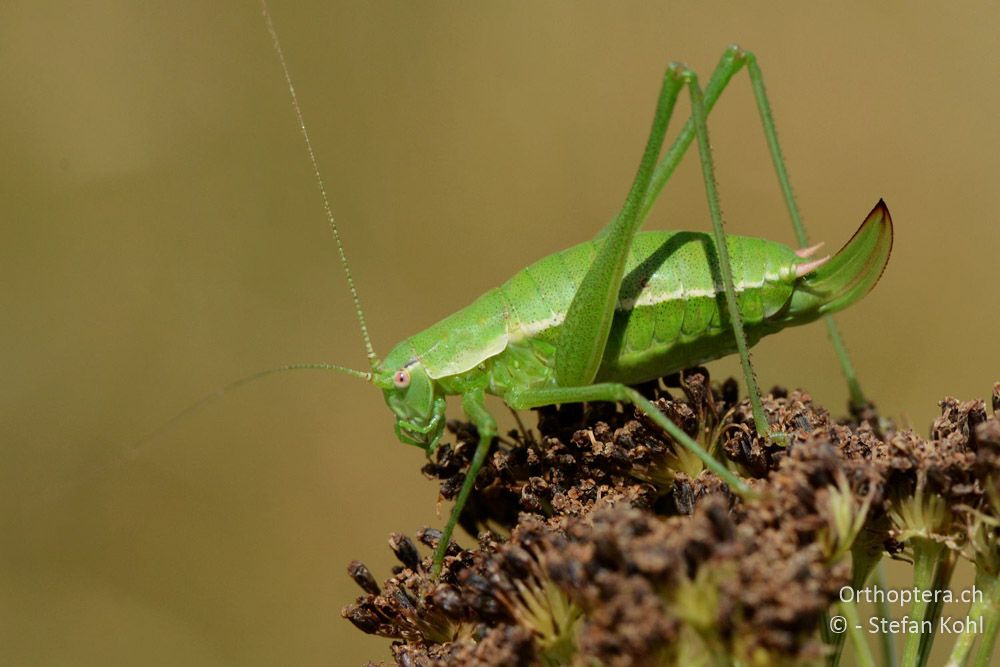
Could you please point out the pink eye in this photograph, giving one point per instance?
(401, 379)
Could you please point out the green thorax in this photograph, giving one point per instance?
(671, 314)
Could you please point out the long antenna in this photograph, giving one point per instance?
(372, 358)
(138, 447)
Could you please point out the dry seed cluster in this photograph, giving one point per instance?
(600, 540)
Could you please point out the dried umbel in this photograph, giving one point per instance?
(607, 544)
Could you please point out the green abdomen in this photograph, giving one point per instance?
(670, 313)
(671, 308)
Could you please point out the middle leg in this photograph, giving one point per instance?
(613, 392)
(722, 250)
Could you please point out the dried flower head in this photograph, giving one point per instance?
(611, 545)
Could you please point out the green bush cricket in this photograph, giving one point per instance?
(623, 308)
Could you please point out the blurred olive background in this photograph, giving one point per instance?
(162, 234)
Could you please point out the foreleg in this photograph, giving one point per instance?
(474, 405)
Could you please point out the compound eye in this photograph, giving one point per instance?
(401, 379)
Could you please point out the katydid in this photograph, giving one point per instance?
(623, 308)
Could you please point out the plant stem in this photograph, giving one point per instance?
(926, 554)
(834, 641)
(991, 615)
(887, 640)
(862, 652)
(942, 579)
(866, 555)
(989, 587)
